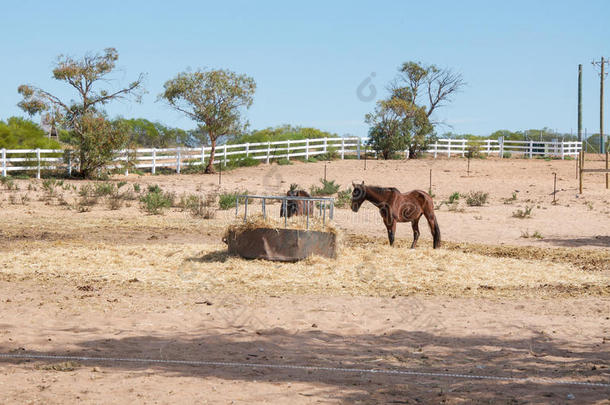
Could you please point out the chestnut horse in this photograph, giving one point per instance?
(296, 207)
(395, 206)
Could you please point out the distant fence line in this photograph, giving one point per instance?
(180, 157)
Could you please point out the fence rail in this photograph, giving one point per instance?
(13, 160)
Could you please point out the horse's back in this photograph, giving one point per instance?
(418, 195)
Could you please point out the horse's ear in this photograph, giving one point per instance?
(353, 184)
(363, 182)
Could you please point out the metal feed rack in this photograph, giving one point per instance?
(325, 203)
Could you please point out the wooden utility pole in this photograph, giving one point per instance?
(602, 146)
(579, 103)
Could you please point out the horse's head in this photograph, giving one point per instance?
(358, 196)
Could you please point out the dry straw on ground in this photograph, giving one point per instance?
(294, 222)
(369, 268)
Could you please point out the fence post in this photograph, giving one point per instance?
(531, 149)
(501, 142)
(562, 151)
(435, 149)
(247, 149)
(38, 160)
(224, 163)
(449, 147)
(463, 146)
(126, 162)
(3, 162)
(268, 151)
(358, 149)
(288, 150)
(178, 160)
(153, 170)
(203, 156)
(307, 149)
(342, 148)
(325, 145)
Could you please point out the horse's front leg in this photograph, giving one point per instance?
(415, 226)
(391, 232)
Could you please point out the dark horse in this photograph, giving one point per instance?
(395, 206)
(294, 207)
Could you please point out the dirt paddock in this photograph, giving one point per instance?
(525, 298)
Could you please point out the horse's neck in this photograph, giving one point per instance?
(374, 198)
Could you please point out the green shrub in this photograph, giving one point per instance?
(244, 161)
(454, 197)
(154, 188)
(155, 201)
(476, 198)
(328, 188)
(9, 183)
(283, 161)
(344, 198)
(523, 213)
(227, 200)
(506, 155)
(104, 189)
(199, 206)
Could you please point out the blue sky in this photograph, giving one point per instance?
(519, 58)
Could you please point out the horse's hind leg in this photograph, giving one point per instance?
(436, 232)
(415, 226)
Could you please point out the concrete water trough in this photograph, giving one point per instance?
(265, 240)
(285, 245)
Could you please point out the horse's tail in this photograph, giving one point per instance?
(436, 235)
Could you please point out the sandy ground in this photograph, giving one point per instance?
(119, 283)
(563, 339)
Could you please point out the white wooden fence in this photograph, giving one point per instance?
(500, 146)
(178, 158)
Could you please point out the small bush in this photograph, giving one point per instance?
(48, 187)
(199, 206)
(136, 187)
(512, 199)
(344, 198)
(103, 189)
(283, 162)
(328, 188)
(9, 183)
(85, 190)
(86, 201)
(454, 197)
(535, 235)
(245, 161)
(476, 198)
(227, 200)
(155, 201)
(506, 155)
(331, 154)
(154, 188)
(523, 213)
(115, 201)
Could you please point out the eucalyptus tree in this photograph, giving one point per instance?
(404, 119)
(215, 99)
(93, 137)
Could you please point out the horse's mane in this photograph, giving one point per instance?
(379, 189)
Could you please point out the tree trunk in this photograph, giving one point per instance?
(210, 167)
